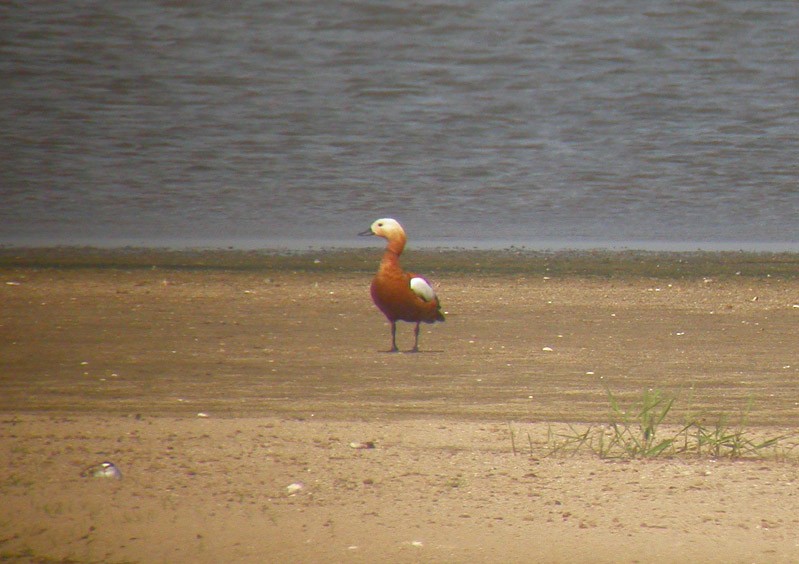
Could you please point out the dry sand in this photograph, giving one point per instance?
(214, 384)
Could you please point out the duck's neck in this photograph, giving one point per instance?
(392, 253)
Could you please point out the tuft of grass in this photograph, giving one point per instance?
(640, 431)
(725, 440)
(635, 432)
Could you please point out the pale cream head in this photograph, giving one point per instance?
(388, 228)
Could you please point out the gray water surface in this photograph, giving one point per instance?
(480, 123)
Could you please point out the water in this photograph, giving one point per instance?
(476, 123)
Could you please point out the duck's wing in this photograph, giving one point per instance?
(423, 289)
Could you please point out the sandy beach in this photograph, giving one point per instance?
(254, 416)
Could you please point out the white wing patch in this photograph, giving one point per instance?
(422, 289)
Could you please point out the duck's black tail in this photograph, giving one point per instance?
(439, 315)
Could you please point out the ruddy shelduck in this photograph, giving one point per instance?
(400, 295)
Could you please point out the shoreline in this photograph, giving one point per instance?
(294, 244)
(600, 263)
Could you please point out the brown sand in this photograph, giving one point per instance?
(214, 389)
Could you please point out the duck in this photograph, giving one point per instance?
(400, 295)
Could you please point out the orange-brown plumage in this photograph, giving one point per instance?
(400, 295)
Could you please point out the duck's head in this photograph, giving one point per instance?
(387, 228)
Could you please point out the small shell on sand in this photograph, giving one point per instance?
(294, 488)
(102, 470)
(364, 445)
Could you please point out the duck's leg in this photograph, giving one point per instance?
(393, 337)
(416, 338)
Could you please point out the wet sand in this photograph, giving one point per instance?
(214, 380)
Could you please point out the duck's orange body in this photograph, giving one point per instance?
(400, 295)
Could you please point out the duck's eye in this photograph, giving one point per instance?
(380, 225)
